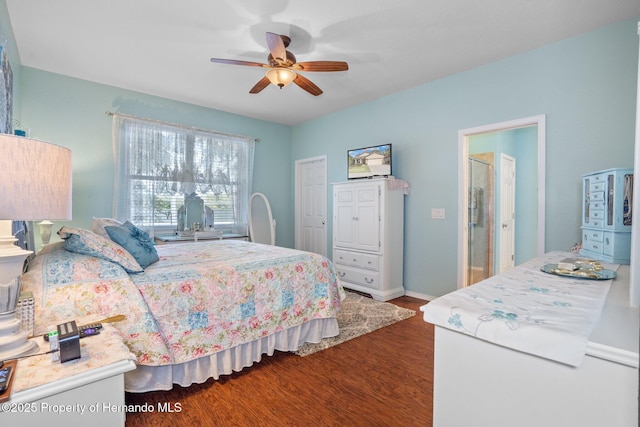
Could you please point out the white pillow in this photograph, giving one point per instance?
(98, 225)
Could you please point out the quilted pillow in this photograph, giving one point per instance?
(98, 225)
(136, 241)
(87, 242)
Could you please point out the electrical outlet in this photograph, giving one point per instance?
(437, 213)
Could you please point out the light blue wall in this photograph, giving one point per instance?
(585, 85)
(525, 142)
(71, 112)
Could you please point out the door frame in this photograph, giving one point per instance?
(298, 200)
(463, 176)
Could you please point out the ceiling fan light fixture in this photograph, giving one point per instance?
(281, 76)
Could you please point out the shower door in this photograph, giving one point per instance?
(481, 218)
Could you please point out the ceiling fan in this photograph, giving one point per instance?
(283, 68)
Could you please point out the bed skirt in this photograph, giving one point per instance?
(152, 378)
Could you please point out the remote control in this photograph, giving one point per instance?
(89, 330)
(84, 330)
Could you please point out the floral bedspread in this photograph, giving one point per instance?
(200, 298)
(527, 310)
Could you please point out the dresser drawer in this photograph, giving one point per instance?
(597, 186)
(592, 240)
(596, 215)
(596, 196)
(369, 262)
(597, 205)
(356, 259)
(592, 235)
(370, 279)
(341, 257)
(592, 246)
(596, 222)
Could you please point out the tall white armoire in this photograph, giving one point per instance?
(368, 235)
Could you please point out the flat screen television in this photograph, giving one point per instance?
(368, 162)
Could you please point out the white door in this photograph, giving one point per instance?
(507, 212)
(311, 205)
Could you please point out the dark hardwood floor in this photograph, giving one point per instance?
(384, 378)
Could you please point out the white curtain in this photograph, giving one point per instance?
(158, 164)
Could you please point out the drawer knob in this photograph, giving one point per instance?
(341, 273)
(366, 279)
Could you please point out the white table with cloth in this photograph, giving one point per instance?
(526, 347)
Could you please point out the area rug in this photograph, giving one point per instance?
(359, 315)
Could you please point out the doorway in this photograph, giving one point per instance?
(481, 217)
(311, 205)
(529, 195)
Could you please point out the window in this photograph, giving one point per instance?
(158, 165)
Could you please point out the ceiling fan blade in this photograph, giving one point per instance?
(307, 85)
(321, 66)
(237, 62)
(276, 47)
(264, 82)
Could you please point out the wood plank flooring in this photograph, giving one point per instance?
(384, 378)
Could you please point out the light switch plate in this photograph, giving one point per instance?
(437, 213)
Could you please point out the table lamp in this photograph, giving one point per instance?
(35, 184)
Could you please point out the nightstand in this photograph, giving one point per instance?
(85, 392)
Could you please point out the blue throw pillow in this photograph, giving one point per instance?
(87, 242)
(136, 241)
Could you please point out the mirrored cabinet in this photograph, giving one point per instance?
(607, 208)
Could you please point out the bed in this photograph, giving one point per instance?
(203, 310)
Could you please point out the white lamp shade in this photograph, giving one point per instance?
(36, 180)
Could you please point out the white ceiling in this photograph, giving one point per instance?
(163, 47)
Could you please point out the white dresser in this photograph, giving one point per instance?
(491, 384)
(368, 235)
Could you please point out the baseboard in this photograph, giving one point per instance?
(420, 295)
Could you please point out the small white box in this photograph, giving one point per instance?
(567, 266)
(25, 310)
